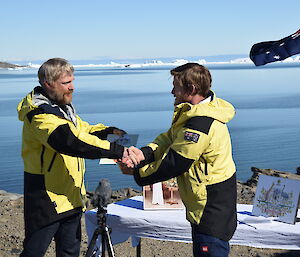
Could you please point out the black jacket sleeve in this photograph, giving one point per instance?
(64, 141)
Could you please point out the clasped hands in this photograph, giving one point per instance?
(132, 156)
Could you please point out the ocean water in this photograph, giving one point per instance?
(265, 131)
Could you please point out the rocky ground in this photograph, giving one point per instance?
(6, 65)
(12, 228)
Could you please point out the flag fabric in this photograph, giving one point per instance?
(272, 51)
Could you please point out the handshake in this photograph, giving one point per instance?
(132, 156)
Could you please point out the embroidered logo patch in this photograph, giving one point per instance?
(191, 136)
(205, 249)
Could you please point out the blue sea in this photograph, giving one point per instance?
(265, 131)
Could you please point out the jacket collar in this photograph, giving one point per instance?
(42, 100)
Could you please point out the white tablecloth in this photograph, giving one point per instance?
(128, 219)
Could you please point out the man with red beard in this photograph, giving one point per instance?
(55, 143)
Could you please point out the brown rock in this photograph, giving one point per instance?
(6, 65)
(271, 172)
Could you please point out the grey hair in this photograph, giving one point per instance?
(51, 70)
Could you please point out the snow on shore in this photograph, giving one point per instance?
(177, 62)
(158, 63)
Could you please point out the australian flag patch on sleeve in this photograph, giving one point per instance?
(191, 136)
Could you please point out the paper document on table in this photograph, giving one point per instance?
(126, 140)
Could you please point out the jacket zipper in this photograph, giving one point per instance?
(52, 161)
(81, 164)
(42, 158)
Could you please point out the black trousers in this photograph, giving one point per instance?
(67, 236)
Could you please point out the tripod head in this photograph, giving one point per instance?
(102, 195)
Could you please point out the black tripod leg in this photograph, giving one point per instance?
(90, 250)
(103, 244)
(138, 249)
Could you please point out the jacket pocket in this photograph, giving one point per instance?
(205, 165)
(52, 161)
(197, 175)
(42, 158)
(199, 185)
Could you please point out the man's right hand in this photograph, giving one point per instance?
(131, 158)
(126, 160)
(136, 155)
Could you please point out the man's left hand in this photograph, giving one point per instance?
(119, 132)
(125, 169)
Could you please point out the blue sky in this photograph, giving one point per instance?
(119, 29)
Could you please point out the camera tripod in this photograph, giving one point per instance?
(104, 231)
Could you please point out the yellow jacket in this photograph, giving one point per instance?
(197, 150)
(55, 141)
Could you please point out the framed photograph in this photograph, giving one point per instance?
(127, 140)
(162, 196)
(277, 197)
